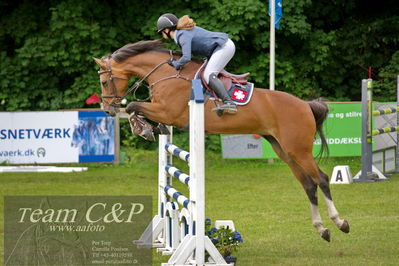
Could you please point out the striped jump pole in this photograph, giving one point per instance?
(180, 198)
(182, 154)
(380, 131)
(385, 111)
(182, 177)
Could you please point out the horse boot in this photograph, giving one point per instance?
(161, 129)
(217, 86)
(141, 128)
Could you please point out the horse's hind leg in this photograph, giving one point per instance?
(313, 173)
(309, 185)
(343, 225)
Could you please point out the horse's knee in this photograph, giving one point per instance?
(132, 107)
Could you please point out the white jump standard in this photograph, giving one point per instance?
(368, 171)
(181, 233)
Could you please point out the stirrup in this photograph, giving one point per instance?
(227, 107)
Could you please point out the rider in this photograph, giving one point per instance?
(216, 46)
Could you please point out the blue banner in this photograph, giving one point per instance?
(94, 136)
(278, 12)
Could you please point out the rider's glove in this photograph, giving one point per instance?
(174, 64)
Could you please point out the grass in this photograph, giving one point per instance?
(267, 204)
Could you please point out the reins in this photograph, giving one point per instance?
(116, 100)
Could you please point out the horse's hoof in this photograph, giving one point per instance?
(163, 130)
(345, 227)
(147, 134)
(326, 235)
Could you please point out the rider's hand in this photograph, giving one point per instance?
(172, 63)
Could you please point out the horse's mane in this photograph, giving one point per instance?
(136, 48)
(133, 49)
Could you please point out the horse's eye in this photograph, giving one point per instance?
(104, 83)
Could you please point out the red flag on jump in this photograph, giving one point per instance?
(93, 99)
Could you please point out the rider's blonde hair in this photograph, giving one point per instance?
(185, 23)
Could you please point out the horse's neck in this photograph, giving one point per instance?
(142, 65)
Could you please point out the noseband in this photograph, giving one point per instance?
(116, 100)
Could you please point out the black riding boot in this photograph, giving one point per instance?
(217, 86)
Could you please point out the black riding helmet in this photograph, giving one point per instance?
(167, 21)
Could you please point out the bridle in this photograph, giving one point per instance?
(116, 100)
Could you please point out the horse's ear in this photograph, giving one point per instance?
(99, 62)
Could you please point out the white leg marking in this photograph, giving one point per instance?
(316, 218)
(333, 213)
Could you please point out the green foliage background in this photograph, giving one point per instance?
(324, 47)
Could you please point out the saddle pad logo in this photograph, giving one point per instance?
(239, 95)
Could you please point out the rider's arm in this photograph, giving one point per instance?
(185, 44)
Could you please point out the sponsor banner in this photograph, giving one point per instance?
(94, 135)
(56, 137)
(342, 131)
(242, 146)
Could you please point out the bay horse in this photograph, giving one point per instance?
(287, 122)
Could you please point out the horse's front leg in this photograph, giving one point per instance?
(139, 126)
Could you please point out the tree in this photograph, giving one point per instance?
(323, 48)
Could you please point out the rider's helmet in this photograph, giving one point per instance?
(167, 21)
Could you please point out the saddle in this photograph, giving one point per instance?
(237, 86)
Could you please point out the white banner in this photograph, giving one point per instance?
(56, 137)
(38, 137)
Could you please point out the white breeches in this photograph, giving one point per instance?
(219, 59)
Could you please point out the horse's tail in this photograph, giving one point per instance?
(320, 112)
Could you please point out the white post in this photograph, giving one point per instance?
(197, 175)
(164, 158)
(272, 44)
(163, 179)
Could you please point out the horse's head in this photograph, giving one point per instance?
(142, 59)
(113, 85)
